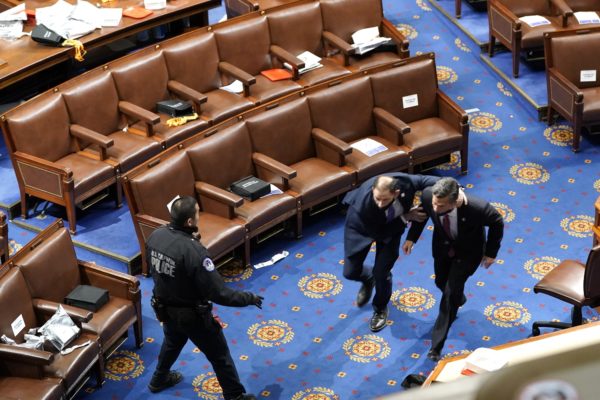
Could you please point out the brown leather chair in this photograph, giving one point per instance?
(596, 227)
(50, 257)
(45, 150)
(4, 250)
(95, 108)
(193, 61)
(578, 102)
(15, 387)
(285, 133)
(341, 18)
(347, 112)
(73, 368)
(436, 126)
(505, 26)
(143, 79)
(298, 28)
(154, 184)
(578, 6)
(572, 282)
(227, 157)
(245, 50)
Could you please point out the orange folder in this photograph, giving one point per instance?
(136, 12)
(277, 74)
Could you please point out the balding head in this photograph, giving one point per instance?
(385, 190)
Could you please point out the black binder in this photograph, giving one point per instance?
(87, 297)
(251, 188)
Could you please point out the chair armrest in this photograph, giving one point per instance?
(147, 117)
(389, 30)
(187, 93)
(287, 57)
(150, 220)
(117, 283)
(331, 141)
(238, 74)
(389, 126)
(274, 166)
(216, 200)
(564, 10)
(25, 355)
(48, 308)
(83, 133)
(567, 85)
(340, 44)
(450, 112)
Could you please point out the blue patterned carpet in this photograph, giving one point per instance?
(310, 341)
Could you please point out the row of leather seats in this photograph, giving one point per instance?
(32, 285)
(506, 27)
(303, 145)
(73, 142)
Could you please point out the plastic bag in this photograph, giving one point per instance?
(60, 329)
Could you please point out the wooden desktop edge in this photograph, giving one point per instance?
(442, 363)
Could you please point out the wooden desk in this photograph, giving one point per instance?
(448, 370)
(24, 57)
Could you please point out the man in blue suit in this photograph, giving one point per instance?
(459, 246)
(378, 211)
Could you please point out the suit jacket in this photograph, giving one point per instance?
(365, 222)
(471, 241)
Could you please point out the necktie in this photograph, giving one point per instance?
(446, 226)
(390, 214)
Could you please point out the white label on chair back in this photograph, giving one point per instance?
(588, 75)
(18, 325)
(410, 101)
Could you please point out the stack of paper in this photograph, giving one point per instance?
(11, 22)
(535, 20)
(587, 17)
(311, 61)
(367, 39)
(369, 146)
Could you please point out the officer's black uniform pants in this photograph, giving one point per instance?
(206, 333)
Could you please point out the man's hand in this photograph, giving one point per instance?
(487, 261)
(415, 214)
(407, 247)
(256, 300)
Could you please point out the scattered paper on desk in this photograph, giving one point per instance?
(535, 20)
(587, 17)
(587, 75)
(87, 13)
(11, 22)
(273, 260)
(111, 16)
(234, 87)
(368, 146)
(16, 13)
(155, 4)
(68, 21)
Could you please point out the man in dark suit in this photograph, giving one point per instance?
(378, 212)
(459, 246)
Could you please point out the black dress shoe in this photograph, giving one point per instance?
(365, 292)
(172, 379)
(434, 355)
(378, 320)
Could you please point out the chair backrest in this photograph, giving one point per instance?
(584, 5)
(16, 301)
(297, 28)
(40, 127)
(49, 264)
(156, 187)
(530, 7)
(564, 53)
(193, 61)
(591, 280)
(414, 78)
(344, 17)
(224, 157)
(142, 78)
(245, 44)
(344, 110)
(93, 101)
(283, 133)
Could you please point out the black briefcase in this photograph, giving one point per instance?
(88, 297)
(174, 108)
(251, 188)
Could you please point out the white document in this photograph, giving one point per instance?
(14, 14)
(485, 360)
(58, 18)
(88, 13)
(234, 87)
(59, 11)
(11, 30)
(311, 61)
(587, 75)
(274, 190)
(535, 20)
(587, 17)
(155, 4)
(172, 201)
(111, 16)
(18, 325)
(273, 260)
(367, 39)
(368, 146)
(410, 101)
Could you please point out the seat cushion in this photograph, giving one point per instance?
(591, 104)
(110, 321)
(13, 387)
(261, 212)
(318, 180)
(87, 173)
(130, 150)
(564, 282)
(330, 70)
(264, 89)
(392, 159)
(431, 136)
(221, 105)
(533, 37)
(72, 367)
(220, 234)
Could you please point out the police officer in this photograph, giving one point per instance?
(185, 284)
